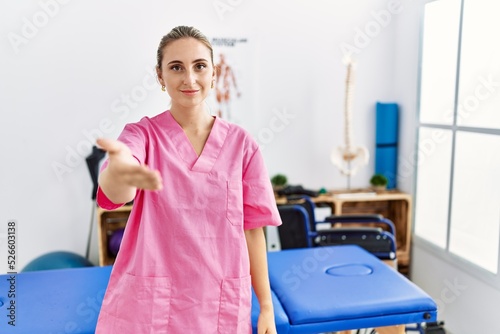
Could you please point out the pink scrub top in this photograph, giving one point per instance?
(183, 264)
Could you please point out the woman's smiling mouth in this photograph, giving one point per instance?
(189, 92)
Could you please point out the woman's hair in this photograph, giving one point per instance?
(178, 33)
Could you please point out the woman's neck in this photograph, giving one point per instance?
(192, 118)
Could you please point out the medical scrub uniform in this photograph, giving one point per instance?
(183, 264)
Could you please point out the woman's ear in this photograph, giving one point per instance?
(159, 77)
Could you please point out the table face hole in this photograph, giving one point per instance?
(350, 270)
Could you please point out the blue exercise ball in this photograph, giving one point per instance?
(57, 260)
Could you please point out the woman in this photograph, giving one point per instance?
(194, 241)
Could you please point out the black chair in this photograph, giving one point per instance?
(295, 231)
(375, 240)
(299, 229)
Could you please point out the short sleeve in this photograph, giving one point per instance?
(134, 137)
(259, 203)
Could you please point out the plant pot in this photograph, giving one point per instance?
(379, 188)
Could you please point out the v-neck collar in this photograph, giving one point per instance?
(206, 160)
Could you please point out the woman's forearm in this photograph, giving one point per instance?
(256, 243)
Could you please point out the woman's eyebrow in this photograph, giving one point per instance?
(175, 62)
(194, 61)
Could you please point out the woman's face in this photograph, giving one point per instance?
(187, 72)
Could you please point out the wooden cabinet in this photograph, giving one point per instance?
(393, 205)
(107, 223)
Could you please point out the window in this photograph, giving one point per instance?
(457, 190)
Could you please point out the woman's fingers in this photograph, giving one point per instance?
(107, 145)
(112, 146)
(127, 169)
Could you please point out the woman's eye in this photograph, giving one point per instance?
(200, 66)
(175, 68)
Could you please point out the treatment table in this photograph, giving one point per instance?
(336, 288)
(314, 290)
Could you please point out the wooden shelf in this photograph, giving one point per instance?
(108, 222)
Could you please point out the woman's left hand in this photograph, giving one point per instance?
(265, 324)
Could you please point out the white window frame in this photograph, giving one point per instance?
(471, 268)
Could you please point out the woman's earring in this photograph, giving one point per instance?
(163, 88)
(212, 84)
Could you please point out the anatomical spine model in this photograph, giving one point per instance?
(349, 158)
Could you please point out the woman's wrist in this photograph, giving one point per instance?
(266, 307)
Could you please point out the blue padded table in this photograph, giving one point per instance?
(337, 288)
(54, 301)
(314, 290)
(69, 300)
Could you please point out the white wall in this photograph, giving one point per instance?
(301, 70)
(67, 65)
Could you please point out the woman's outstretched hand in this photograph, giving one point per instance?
(124, 175)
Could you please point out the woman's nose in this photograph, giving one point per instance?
(189, 77)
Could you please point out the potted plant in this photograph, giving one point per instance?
(379, 182)
(279, 181)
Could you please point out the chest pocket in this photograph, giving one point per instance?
(208, 210)
(234, 209)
